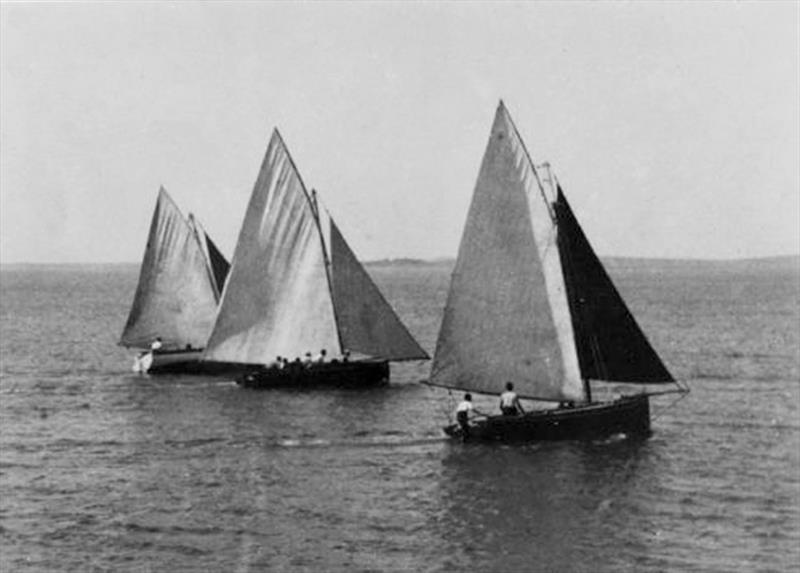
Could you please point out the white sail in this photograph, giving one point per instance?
(507, 316)
(176, 296)
(276, 300)
(367, 324)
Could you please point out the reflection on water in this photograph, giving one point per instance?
(545, 507)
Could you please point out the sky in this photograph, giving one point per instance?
(674, 128)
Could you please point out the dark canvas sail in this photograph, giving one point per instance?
(175, 299)
(218, 265)
(367, 324)
(610, 344)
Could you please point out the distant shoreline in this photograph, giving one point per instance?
(779, 261)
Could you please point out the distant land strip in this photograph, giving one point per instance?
(787, 263)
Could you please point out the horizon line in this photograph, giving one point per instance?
(442, 259)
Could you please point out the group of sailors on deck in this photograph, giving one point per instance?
(283, 363)
(509, 406)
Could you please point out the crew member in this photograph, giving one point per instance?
(509, 402)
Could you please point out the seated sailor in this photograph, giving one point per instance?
(321, 357)
(509, 402)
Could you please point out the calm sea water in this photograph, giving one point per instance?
(103, 470)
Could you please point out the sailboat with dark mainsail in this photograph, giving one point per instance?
(295, 289)
(530, 303)
(180, 281)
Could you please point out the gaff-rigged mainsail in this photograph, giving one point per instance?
(277, 300)
(283, 298)
(507, 316)
(176, 297)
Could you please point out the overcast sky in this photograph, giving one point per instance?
(673, 127)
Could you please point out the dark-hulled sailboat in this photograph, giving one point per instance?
(530, 303)
(295, 287)
(180, 281)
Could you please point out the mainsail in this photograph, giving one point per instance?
(529, 301)
(277, 300)
(176, 298)
(507, 315)
(283, 297)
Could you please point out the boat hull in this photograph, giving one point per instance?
(629, 416)
(166, 361)
(183, 362)
(341, 374)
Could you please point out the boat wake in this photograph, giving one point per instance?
(378, 441)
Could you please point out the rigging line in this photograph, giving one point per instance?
(660, 412)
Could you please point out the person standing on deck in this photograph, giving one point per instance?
(463, 412)
(509, 402)
(156, 344)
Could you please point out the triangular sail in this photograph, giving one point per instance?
(175, 298)
(218, 264)
(611, 346)
(367, 324)
(506, 316)
(277, 298)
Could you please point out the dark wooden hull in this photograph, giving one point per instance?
(190, 362)
(340, 374)
(629, 415)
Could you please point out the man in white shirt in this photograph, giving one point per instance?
(156, 344)
(463, 412)
(509, 402)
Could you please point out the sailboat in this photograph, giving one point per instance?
(180, 281)
(296, 289)
(530, 303)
